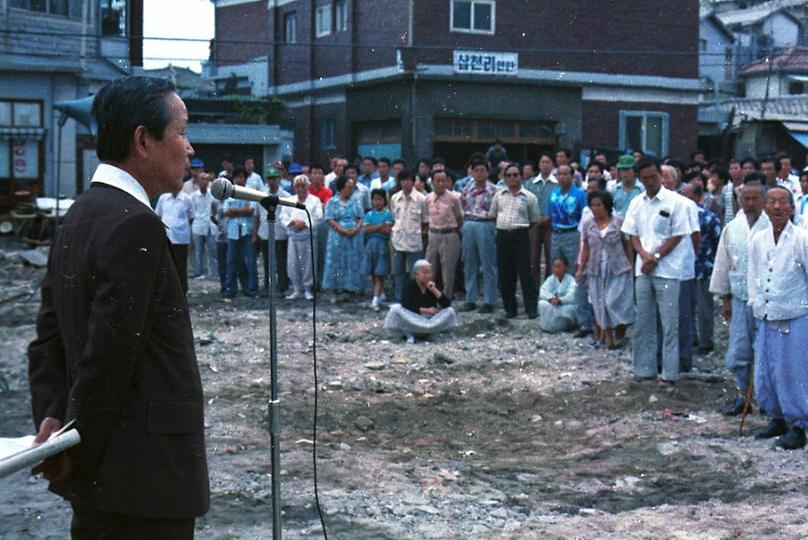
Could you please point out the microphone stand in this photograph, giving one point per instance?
(270, 204)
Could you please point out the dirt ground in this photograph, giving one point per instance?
(494, 431)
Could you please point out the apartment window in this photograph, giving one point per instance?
(645, 130)
(796, 88)
(113, 18)
(341, 16)
(21, 137)
(328, 134)
(65, 8)
(290, 27)
(703, 45)
(476, 16)
(323, 20)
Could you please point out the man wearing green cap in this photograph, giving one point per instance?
(261, 234)
(627, 188)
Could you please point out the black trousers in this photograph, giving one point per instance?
(281, 253)
(89, 524)
(513, 261)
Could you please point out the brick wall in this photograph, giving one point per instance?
(655, 25)
(601, 124)
(249, 22)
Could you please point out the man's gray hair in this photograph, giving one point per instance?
(674, 172)
(419, 264)
(301, 176)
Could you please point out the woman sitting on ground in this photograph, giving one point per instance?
(424, 309)
(557, 300)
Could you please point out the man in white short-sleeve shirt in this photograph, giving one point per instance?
(656, 222)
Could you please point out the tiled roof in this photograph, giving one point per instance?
(791, 60)
(755, 14)
(790, 108)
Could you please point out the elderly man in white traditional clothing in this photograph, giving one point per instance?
(299, 264)
(729, 282)
(778, 293)
(424, 310)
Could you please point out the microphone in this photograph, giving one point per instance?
(222, 189)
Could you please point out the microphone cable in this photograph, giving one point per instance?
(316, 384)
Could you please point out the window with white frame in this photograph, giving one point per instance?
(341, 16)
(323, 20)
(475, 16)
(648, 131)
(290, 27)
(328, 134)
(21, 136)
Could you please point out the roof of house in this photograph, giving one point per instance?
(182, 77)
(784, 109)
(707, 14)
(753, 15)
(793, 60)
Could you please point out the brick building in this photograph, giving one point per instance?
(445, 77)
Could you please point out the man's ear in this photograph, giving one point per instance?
(140, 142)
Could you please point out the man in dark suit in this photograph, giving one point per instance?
(114, 348)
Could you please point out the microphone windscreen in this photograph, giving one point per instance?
(221, 188)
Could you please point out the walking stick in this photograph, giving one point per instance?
(747, 402)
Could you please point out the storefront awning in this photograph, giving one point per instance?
(801, 138)
(36, 133)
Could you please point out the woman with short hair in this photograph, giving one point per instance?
(606, 258)
(424, 309)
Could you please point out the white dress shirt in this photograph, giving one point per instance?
(688, 251)
(119, 178)
(654, 221)
(287, 214)
(732, 256)
(177, 213)
(255, 182)
(409, 213)
(778, 274)
(792, 183)
(263, 223)
(203, 203)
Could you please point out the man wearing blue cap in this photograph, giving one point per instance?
(192, 184)
(288, 179)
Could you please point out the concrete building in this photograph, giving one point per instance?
(716, 56)
(446, 77)
(761, 30)
(228, 123)
(52, 51)
(772, 115)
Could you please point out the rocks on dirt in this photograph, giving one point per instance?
(439, 358)
(375, 365)
(364, 424)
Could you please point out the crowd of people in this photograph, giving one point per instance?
(634, 242)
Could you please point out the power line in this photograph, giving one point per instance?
(374, 46)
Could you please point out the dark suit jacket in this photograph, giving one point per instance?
(115, 352)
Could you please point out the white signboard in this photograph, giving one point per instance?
(486, 63)
(25, 154)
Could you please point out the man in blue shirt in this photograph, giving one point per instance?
(566, 204)
(705, 258)
(369, 166)
(240, 250)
